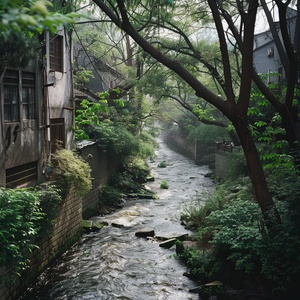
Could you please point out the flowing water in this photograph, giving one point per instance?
(115, 264)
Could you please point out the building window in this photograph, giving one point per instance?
(56, 53)
(57, 133)
(28, 96)
(16, 93)
(11, 96)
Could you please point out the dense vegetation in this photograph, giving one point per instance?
(25, 214)
(238, 229)
(234, 243)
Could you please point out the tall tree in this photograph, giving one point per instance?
(233, 22)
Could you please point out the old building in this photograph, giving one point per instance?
(104, 76)
(36, 112)
(265, 56)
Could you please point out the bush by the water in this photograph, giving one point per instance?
(235, 246)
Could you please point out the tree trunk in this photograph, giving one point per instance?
(257, 175)
(289, 124)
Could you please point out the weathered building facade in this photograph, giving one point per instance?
(36, 111)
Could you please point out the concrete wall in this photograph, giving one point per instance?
(222, 160)
(194, 150)
(180, 144)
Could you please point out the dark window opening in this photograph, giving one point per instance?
(11, 96)
(21, 175)
(56, 53)
(57, 133)
(28, 96)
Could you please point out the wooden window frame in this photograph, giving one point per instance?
(56, 51)
(28, 96)
(11, 96)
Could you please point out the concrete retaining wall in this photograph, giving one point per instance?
(194, 150)
(179, 143)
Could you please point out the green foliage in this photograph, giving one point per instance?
(195, 215)
(17, 49)
(82, 77)
(235, 165)
(203, 264)
(25, 216)
(164, 184)
(147, 143)
(29, 16)
(229, 223)
(71, 170)
(207, 134)
(280, 260)
(92, 114)
(114, 128)
(123, 183)
(110, 195)
(162, 164)
(50, 199)
(20, 215)
(138, 169)
(88, 116)
(236, 232)
(115, 139)
(268, 131)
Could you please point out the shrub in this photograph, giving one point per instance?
(71, 170)
(236, 165)
(195, 214)
(24, 214)
(114, 139)
(162, 164)
(231, 222)
(50, 198)
(110, 195)
(236, 232)
(20, 220)
(138, 169)
(164, 184)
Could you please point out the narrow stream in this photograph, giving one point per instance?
(113, 263)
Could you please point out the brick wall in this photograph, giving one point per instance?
(103, 166)
(68, 222)
(65, 231)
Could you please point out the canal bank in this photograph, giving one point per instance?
(115, 264)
